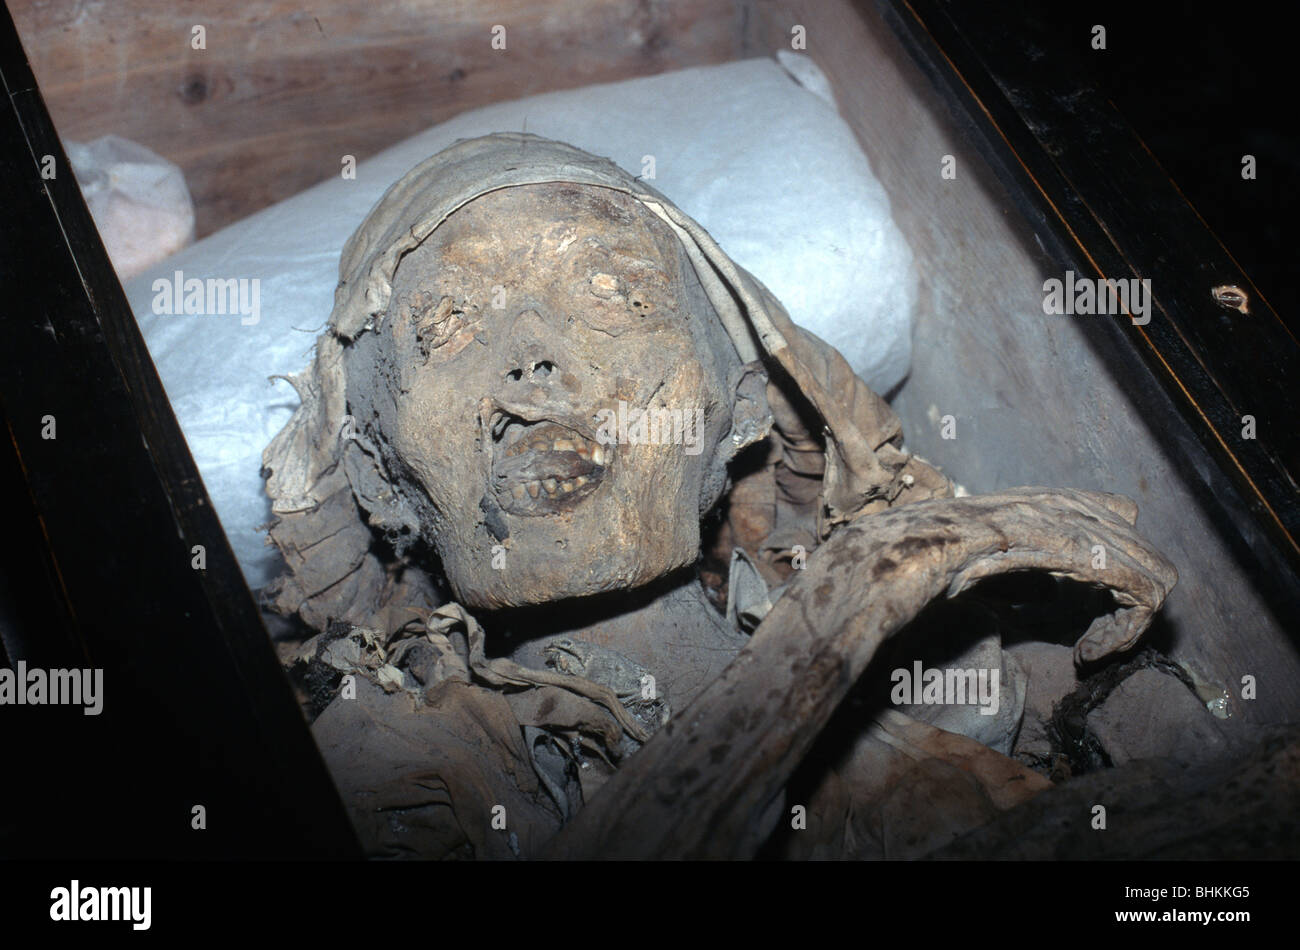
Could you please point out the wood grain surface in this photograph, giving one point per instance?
(283, 91)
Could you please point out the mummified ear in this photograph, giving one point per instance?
(373, 489)
(751, 419)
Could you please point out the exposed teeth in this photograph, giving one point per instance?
(552, 486)
(583, 448)
(522, 480)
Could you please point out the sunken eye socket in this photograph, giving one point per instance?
(640, 304)
(433, 319)
(619, 291)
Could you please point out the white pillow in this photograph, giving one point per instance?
(763, 163)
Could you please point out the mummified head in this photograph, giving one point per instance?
(551, 399)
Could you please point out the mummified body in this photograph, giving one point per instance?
(512, 581)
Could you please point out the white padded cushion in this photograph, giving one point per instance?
(765, 164)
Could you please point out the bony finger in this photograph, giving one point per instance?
(1121, 505)
(1112, 633)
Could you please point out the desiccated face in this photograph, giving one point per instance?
(554, 407)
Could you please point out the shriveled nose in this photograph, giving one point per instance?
(532, 370)
(532, 357)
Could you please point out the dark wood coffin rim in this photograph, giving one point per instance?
(1082, 177)
(196, 707)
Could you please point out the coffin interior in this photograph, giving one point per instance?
(276, 98)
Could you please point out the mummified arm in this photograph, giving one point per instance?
(701, 786)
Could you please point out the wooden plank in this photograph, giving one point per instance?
(280, 94)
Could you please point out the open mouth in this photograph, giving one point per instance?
(540, 468)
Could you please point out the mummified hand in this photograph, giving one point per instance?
(702, 786)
